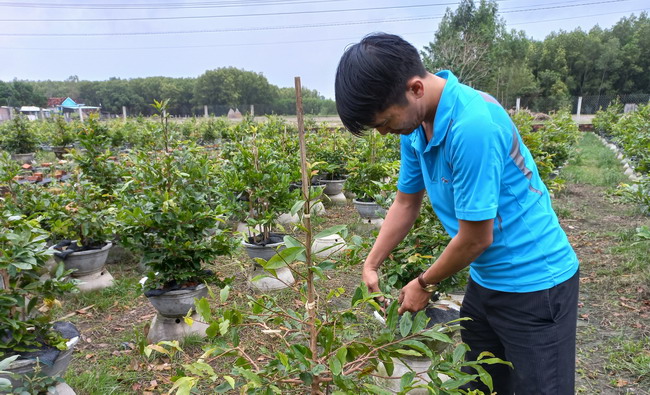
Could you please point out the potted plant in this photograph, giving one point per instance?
(62, 137)
(83, 224)
(331, 149)
(27, 334)
(370, 174)
(169, 217)
(261, 180)
(21, 141)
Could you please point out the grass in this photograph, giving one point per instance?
(631, 356)
(594, 164)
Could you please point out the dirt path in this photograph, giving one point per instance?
(614, 309)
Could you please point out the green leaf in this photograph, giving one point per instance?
(290, 241)
(4, 364)
(212, 330)
(306, 377)
(318, 272)
(455, 383)
(459, 353)
(342, 354)
(408, 352)
(318, 369)
(405, 324)
(358, 295)
(251, 377)
(391, 316)
(284, 359)
(419, 321)
(485, 377)
(406, 380)
(223, 327)
(330, 231)
(284, 257)
(230, 381)
(184, 385)
(297, 206)
(434, 334)
(335, 366)
(416, 345)
(223, 294)
(327, 265)
(375, 389)
(203, 308)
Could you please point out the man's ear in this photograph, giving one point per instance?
(415, 85)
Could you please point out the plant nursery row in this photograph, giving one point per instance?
(185, 198)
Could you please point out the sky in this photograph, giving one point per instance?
(281, 39)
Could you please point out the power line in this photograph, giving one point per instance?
(223, 45)
(159, 6)
(153, 6)
(225, 30)
(234, 15)
(269, 28)
(515, 9)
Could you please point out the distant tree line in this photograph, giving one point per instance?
(223, 87)
(473, 42)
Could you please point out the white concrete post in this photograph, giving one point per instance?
(124, 113)
(579, 108)
(81, 114)
(252, 110)
(205, 111)
(518, 103)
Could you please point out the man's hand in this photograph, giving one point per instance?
(371, 279)
(413, 298)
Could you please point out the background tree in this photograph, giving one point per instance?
(465, 42)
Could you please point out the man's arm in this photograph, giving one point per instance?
(398, 222)
(472, 239)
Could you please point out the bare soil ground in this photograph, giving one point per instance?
(614, 307)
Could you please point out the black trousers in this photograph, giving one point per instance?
(535, 331)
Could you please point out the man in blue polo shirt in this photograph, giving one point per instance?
(460, 146)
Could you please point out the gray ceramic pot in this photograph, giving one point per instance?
(87, 262)
(370, 210)
(178, 302)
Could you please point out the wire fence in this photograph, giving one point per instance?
(581, 104)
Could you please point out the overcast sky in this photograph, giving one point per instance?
(99, 39)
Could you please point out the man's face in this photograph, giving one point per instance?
(398, 119)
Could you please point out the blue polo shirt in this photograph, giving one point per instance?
(476, 168)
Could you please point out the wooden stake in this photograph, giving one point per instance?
(306, 177)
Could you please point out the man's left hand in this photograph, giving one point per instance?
(413, 298)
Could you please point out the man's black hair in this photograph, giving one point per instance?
(372, 76)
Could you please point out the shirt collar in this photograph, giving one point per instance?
(443, 117)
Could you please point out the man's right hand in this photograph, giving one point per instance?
(371, 279)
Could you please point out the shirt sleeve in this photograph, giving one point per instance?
(477, 166)
(410, 174)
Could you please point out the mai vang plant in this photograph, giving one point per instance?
(85, 214)
(23, 255)
(169, 213)
(21, 138)
(95, 158)
(258, 182)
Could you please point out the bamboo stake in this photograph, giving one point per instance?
(311, 304)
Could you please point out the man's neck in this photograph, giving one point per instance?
(434, 87)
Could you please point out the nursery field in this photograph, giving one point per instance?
(188, 204)
(613, 330)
